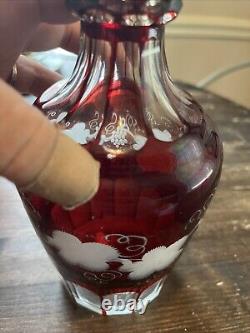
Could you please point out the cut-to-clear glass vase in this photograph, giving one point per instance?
(160, 160)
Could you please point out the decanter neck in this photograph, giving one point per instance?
(132, 61)
(126, 12)
(123, 52)
(121, 93)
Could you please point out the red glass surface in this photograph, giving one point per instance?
(150, 196)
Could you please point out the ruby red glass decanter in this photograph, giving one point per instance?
(160, 160)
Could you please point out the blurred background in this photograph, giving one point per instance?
(209, 46)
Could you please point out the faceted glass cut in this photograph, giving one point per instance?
(160, 160)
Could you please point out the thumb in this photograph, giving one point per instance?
(37, 157)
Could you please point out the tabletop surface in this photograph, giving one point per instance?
(208, 290)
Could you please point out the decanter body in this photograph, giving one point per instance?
(160, 160)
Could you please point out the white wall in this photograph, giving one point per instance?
(210, 36)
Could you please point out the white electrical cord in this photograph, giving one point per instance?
(219, 74)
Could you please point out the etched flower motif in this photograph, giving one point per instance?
(153, 261)
(121, 130)
(140, 142)
(164, 136)
(79, 133)
(91, 256)
(59, 118)
(96, 257)
(118, 137)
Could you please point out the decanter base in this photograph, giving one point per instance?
(116, 303)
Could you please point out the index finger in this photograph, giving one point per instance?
(50, 36)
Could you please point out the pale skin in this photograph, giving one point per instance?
(31, 149)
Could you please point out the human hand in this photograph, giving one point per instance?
(33, 153)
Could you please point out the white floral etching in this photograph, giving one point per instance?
(103, 277)
(133, 245)
(91, 256)
(116, 133)
(168, 134)
(81, 134)
(162, 135)
(153, 261)
(95, 123)
(59, 118)
(140, 141)
(96, 257)
(78, 133)
(198, 215)
(121, 130)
